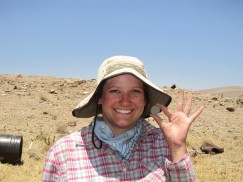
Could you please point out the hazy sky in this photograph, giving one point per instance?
(195, 44)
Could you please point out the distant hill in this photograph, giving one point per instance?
(229, 91)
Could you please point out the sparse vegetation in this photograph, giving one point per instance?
(43, 98)
(45, 138)
(239, 102)
(222, 96)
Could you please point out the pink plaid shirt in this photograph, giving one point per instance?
(74, 158)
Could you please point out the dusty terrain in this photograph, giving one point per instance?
(39, 108)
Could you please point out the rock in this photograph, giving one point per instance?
(214, 98)
(173, 86)
(34, 156)
(211, 148)
(85, 93)
(52, 91)
(72, 123)
(230, 109)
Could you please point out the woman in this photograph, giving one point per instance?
(119, 144)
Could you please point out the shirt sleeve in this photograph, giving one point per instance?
(50, 171)
(181, 171)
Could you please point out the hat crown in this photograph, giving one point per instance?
(115, 63)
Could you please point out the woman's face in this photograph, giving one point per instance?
(122, 102)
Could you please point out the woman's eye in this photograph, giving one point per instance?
(114, 91)
(136, 91)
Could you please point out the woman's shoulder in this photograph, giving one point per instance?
(71, 140)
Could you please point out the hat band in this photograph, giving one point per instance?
(115, 67)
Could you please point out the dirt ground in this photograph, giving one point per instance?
(39, 109)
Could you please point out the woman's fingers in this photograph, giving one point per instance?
(158, 120)
(186, 109)
(180, 100)
(188, 106)
(165, 110)
(196, 114)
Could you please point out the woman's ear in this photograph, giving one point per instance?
(99, 101)
(145, 103)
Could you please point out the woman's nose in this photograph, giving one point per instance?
(125, 99)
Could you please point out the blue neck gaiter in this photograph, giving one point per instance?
(124, 143)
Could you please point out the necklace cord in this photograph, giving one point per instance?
(93, 141)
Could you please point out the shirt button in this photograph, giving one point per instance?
(103, 126)
(124, 169)
(114, 144)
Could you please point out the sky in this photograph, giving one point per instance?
(195, 44)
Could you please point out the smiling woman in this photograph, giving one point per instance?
(122, 103)
(120, 144)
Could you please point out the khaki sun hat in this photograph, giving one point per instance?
(115, 66)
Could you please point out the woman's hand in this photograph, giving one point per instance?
(175, 131)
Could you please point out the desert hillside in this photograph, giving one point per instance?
(39, 109)
(230, 91)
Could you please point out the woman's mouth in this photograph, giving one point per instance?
(123, 111)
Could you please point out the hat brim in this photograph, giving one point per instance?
(87, 107)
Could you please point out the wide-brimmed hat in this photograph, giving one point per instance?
(115, 66)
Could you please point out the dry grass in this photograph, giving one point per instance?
(43, 117)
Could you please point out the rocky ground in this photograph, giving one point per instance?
(39, 109)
